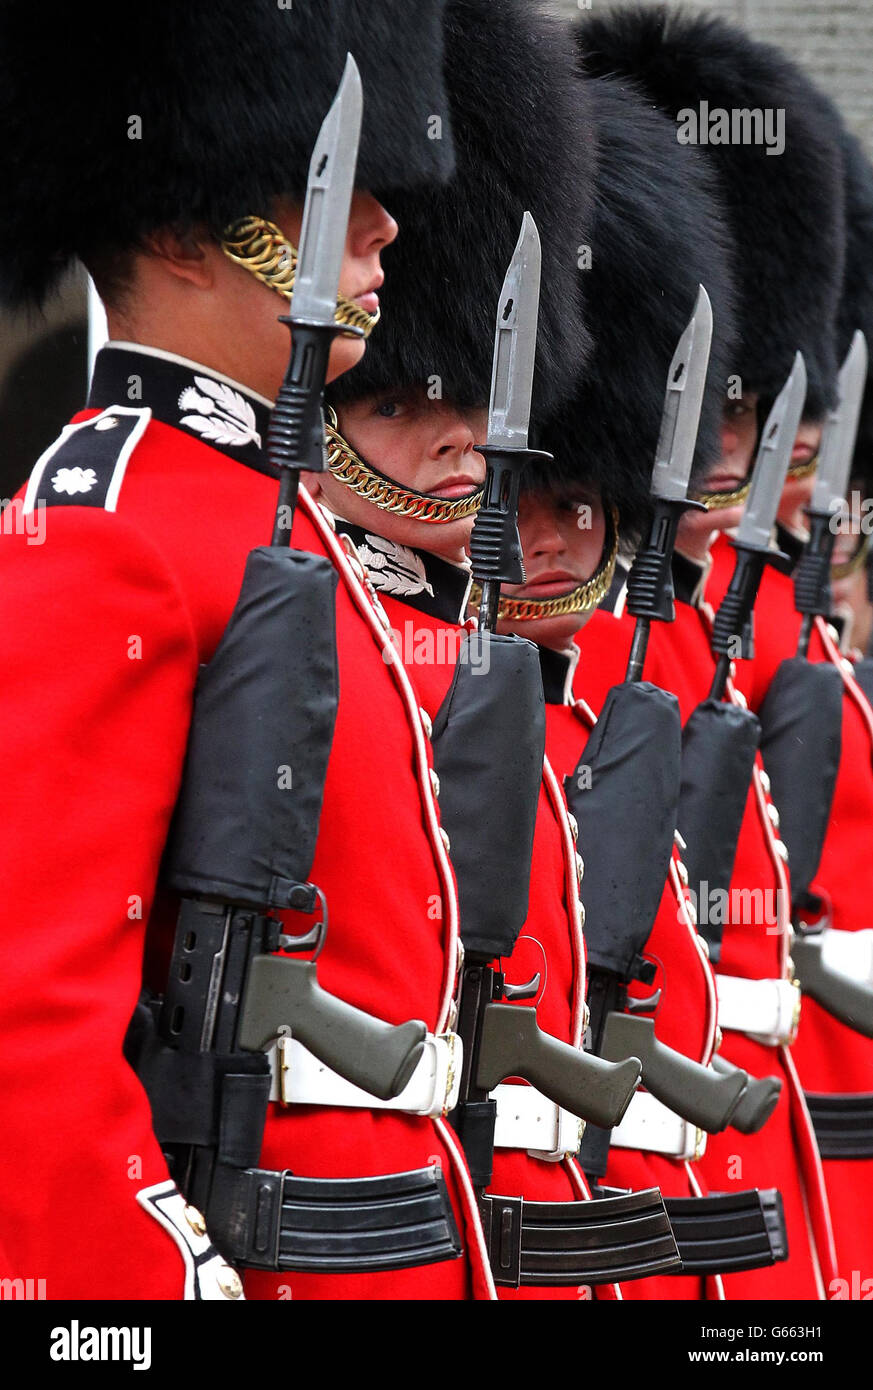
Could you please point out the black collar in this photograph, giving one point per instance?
(413, 576)
(689, 577)
(194, 399)
(791, 544)
(557, 671)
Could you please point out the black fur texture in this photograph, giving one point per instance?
(523, 142)
(658, 232)
(785, 210)
(230, 97)
(856, 303)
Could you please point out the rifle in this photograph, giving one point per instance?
(492, 855)
(242, 841)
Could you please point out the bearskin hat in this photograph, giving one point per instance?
(522, 142)
(658, 233)
(856, 302)
(195, 113)
(785, 211)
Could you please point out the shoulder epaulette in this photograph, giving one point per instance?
(85, 465)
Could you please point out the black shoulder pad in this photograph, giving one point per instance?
(84, 467)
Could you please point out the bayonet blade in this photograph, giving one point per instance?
(686, 381)
(328, 200)
(773, 458)
(841, 427)
(515, 341)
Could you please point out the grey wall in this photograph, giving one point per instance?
(833, 39)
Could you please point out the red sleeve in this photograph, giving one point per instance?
(97, 665)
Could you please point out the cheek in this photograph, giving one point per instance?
(345, 353)
(586, 542)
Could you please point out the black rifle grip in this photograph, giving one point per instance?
(812, 578)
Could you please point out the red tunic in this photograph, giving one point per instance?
(550, 941)
(685, 1018)
(830, 1057)
(783, 1153)
(92, 745)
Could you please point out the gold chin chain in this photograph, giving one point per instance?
(847, 567)
(260, 248)
(365, 481)
(803, 470)
(583, 598)
(717, 501)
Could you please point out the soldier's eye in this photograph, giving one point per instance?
(388, 409)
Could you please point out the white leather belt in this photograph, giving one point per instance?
(526, 1119)
(767, 1010)
(653, 1127)
(299, 1078)
(848, 953)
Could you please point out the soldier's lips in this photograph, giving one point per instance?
(462, 486)
(724, 482)
(802, 453)
(551, 584)
(369, 302)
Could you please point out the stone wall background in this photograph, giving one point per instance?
(832, 39)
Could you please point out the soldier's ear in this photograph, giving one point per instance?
(185, 254)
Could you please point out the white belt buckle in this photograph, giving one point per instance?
(652, 1127)
(849, 953)
(526, 1119)
(768, 1011)
(300, 1078)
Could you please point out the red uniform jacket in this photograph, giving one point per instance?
(783, 1154)
(830, 1057)
(427, 628)
(686, 1015)
(104, 626)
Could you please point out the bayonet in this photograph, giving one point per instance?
(328, 201)
(650, 585)
(495, 548)
(296, 437)
(812, 579)
(753, 539)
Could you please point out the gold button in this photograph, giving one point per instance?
(196, 1220)
(773, 814)
(719, 1039)
(680, 844)
(765, 781)
(832, 633)
(789, 969)
(580, 869)
(847, 666)
(434, 782)
(733, 671)
(574, 826)
(703, 944)
(682, 872)
(447, 844)
(782, 850)
(229, 1282)
(426, 721)
(586, 1017)
(581, 913)
(741, 700)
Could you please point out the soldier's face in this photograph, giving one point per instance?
(562, 540)
(370, 230)
(739, 435)
(422, 444)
